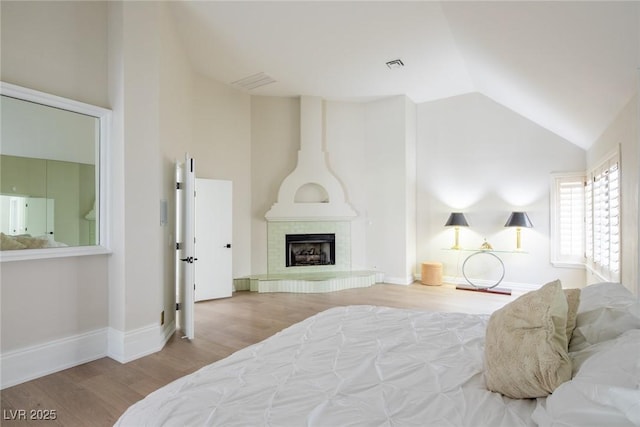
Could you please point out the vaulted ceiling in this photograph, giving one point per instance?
(569, 66)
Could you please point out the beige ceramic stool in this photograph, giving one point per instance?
(432, 273)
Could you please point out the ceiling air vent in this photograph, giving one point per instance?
(396, 63)
(254, 81)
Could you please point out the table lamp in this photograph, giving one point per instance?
(456, 220)
(518, 220)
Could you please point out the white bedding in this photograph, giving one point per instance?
(357, 365)
(376, 366)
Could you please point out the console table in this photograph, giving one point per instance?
(494, 254)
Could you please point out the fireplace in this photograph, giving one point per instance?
(278, 250)
(310, 250)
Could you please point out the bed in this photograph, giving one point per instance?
(380, 366)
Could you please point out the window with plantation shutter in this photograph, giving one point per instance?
(568, 219)
(585, 219)
(602, 223)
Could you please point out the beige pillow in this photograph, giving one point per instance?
(526, 345)
(8, 243)
(573, 301)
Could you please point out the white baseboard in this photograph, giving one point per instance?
(127, 346)
(407, 280)
(39, 360)
(33, 362)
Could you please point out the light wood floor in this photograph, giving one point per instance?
(97, 393)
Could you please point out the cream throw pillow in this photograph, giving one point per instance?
(573, 301)
(526, 345)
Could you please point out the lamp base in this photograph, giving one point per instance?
(501, 291)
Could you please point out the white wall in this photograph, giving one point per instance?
(623, 133)
(176, 137)
(390, 187)
(50, 299)
(221, 145)
(346, 145)
(211, 121)
(411, 187)
(483, 159)
(135, 266)
(142, 165)
(43, 47)
(275, 140)
(165, 110)
(57, 48)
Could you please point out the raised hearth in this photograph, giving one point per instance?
(307, 282)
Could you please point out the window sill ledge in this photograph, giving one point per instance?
(565, 264)
(601, 276)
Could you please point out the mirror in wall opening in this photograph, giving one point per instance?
(49, 175)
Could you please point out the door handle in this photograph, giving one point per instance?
(228, 245)
(188, 260)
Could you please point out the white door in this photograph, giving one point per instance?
(213, 239)
(38, 216)
(185, 249)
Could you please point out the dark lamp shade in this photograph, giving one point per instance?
(456, 219)
(519, 219)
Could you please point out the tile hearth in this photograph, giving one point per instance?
(317, 282)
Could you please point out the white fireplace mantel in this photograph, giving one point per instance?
(309, 212)
(311, 192)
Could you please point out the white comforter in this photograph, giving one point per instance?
(356, 365)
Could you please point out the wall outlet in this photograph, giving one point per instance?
(162, 318)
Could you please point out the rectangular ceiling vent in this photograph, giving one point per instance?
(396, 63)
(254, 81)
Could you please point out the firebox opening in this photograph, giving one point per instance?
(310, 249)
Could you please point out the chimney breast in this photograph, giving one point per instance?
(311, 192)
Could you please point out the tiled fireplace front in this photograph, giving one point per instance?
(277, 232)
